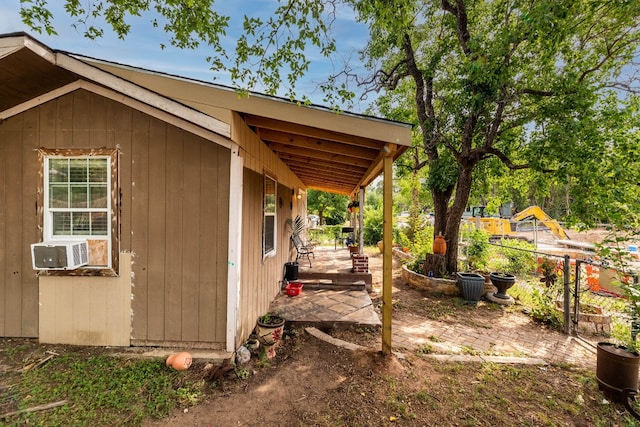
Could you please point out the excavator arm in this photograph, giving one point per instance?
(536, 212)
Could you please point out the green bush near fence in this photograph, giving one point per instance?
(521, 259)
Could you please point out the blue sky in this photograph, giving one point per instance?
(142, 47)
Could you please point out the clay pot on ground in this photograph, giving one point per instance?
(179, 361)
(269, 329)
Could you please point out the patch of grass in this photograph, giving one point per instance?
(436, 309)
(397, 305)
(468, 350)
(242, 373)
(13, 351)
(425, 349)
(103, 390)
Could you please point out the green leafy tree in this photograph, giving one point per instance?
(517, 81)
(331, 208)
(272, 52)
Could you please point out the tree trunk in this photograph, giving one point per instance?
(414, 209)
(447, 220)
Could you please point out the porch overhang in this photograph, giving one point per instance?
(338, 152)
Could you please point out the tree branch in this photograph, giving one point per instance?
(504, 158)
(462, 22)
(536, 92)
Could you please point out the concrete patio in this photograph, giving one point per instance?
(332, 295)
(326, 305)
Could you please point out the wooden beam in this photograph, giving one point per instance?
(346, 191)
(310, 179)
(342, 158)
(317, 144)
(327, 166)
(343, 175)
(283, 126)
(341, 187)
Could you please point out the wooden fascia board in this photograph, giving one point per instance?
(320, 187)
(8, 50)
(308, 176)
(143, 95)
(344, 174)
(39, 100)
(193, 92)
(9, 45)
(332, 187)
(378, 164)
(118, 97)
(326, 166)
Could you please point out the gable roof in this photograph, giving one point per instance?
(326, 150)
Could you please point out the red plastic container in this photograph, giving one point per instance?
(293, 289)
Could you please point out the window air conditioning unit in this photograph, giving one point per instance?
(59, 255)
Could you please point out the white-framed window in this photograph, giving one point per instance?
(78, 200)
(269, 227)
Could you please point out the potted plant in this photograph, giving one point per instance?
(502, 281)
(617, 362)
(471, 286)
(296, 226)
(269, 329)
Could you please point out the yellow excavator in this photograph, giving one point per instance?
(502, 227)
(550, 223)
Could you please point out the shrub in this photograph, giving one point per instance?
(423, 240)
(519, 259)
(373, 221)
(478, 250)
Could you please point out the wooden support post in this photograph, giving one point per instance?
(387, 241)
(361, 218)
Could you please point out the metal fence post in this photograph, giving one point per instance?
(567, 293)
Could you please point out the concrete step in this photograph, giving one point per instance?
(346, 277)
(334, 286)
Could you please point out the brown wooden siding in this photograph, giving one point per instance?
(260, 277)
(18, 284)
(174, 216)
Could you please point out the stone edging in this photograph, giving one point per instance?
(434, 285)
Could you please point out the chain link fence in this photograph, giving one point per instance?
(585, 297)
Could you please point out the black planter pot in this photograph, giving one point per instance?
(471, 286)
(502, 281)
(617, 374)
